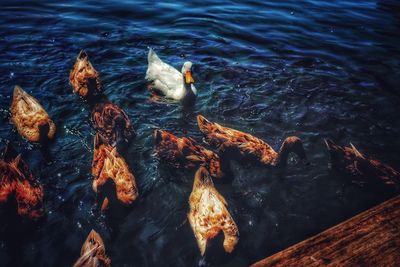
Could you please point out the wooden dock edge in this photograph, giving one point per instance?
(371, 238)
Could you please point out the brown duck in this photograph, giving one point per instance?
(224, 138)
(112, 122)
(362, 168)
(17, 184)
(85, 80)
(30, 118)
(185, 153)
(93, 252)
(109, 164)
(208, 214)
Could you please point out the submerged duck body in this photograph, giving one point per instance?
(18, 184)
(109, 164)
(352, 162)
(85, 80)
(93, 252)
(208, 215)
(227, 138)
(185, 153)
(168, 81)
(112, 122)
(30, 118)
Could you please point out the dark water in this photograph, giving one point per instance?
(314, 69)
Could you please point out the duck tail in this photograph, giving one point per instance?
(158, 136)
(18, 91)
(202, 178)
(203, 123)
(82, 55)
(152, 56)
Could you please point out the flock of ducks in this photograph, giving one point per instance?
(208, 215)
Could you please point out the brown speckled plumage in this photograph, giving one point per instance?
(109, 164)
(93, 252)
(208, 213)
(112, 122)
(224, 138)
(362, 168)
(85, 80)
(30, 118)
(16, 181)
(185, 153)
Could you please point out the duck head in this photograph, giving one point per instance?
(188, 80)
(351, 161)
(187, 73)
(83, 77)
(292, 144)
(93, 252)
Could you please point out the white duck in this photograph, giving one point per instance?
(169, 81)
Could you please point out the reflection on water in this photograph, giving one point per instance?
(314, 69)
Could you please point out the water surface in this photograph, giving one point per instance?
(315, 69)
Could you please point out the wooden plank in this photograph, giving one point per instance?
(371, 238)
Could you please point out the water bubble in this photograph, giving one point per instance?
(58, 174)
(11, 75)
(291, 13)
(79, 225)
(251, 223)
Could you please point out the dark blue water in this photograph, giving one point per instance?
(314, 69)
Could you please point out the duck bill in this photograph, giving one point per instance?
(188, 77)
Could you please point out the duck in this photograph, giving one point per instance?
(208, 214)
(18, 185)
(185, 153)
(168, 81)
(93, 252)
(109, 164)
(228, 140)
(31, 120)
(112, 122)
(350, 161)
(84, 78)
